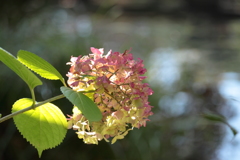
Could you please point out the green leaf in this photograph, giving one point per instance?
(44, 127)
(85, 104)
(219, 118)
(39, 65)
(9, 60)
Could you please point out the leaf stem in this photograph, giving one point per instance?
(35, 105)
(63, 81)
(31, 107)
(33, 96)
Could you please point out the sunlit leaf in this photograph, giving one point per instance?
(44, 127)
(84, 103)
(23, 72)
(219, 118)
(39, 65)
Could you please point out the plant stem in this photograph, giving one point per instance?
(35, 105)
(33, 96)
(31, 107)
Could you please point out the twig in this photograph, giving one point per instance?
(31, 107)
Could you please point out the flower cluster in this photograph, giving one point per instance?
(119, 93)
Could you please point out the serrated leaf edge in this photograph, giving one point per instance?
(39, 150)
(24, 63)
(32, 84)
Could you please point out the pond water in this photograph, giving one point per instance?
(208, 49)
(185, 58)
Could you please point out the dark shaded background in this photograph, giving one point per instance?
(190, 48)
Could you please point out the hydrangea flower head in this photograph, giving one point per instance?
(119, 93)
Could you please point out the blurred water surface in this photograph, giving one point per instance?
(193, 68)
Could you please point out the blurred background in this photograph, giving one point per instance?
(191, 49)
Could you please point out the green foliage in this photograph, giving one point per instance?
(10, 61)
(39, 65)
(44, 127)
(218, 118)
(84, 103)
